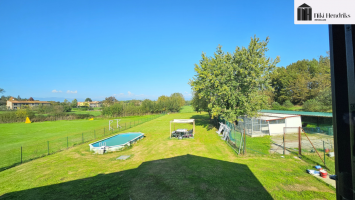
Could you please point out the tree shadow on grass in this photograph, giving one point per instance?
(203, 120)
(182, 177)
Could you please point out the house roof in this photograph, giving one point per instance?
(29, 101)
(303, 113)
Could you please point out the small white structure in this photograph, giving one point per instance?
(183, 121)
(268, 124)
(111, 121)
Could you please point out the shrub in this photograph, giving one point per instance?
(277, 106)
(313, 105)
(287, 104)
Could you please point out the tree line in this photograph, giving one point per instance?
(172, 103)
(246, 80)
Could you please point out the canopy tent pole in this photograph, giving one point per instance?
(194, 128)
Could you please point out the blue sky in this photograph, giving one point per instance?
(136, 49)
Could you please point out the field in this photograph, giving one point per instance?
(186, 109)
(162, 168)
(37, 139)
(95, 112)
(17, 134)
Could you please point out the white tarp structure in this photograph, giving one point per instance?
(184, 121)
(268, 124)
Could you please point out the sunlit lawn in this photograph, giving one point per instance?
(186, 109)
(161, 168)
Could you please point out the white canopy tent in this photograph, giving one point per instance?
(184, 121)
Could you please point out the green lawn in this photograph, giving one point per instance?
(162, 168)
(33, 137)
(90, 112)
(95, 112)
(186, 109)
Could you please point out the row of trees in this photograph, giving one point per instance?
(112, 107)
(245, 81)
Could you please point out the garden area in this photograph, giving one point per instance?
(204, 167)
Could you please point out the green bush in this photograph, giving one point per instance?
(275, 104)
(312, 105)
(287, 104)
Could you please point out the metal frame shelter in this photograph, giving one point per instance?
(184, 121)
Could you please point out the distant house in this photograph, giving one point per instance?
(91, 104)
(13, 104)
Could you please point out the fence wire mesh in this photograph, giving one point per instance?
(239, 138)
(314, 145)
(17, 155)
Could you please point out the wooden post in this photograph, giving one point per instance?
(324, 152)
(299, 142)
(284, 141)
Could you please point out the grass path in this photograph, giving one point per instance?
(163, 168)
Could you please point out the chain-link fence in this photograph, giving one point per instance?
(314, 147)
(241, 132)
(25, 153)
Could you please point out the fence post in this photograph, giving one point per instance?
(299, 142)
(48, 147)
(244, 143)
(284, 141)
(324, 152)
(67, 142)
(21, 154)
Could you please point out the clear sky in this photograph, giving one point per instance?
(136, 49)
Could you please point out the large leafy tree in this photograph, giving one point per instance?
(88, 100)
(180, 98)
(199, 103)
(109, 101)
(2, 90)
(234, 84)
(74, 103)
(301, 81)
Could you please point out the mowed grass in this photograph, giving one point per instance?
(161, 168)
(186, 109)
(13, 135)
(95, 112)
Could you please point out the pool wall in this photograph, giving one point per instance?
(115, 147)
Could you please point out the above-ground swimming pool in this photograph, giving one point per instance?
(116, 142)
